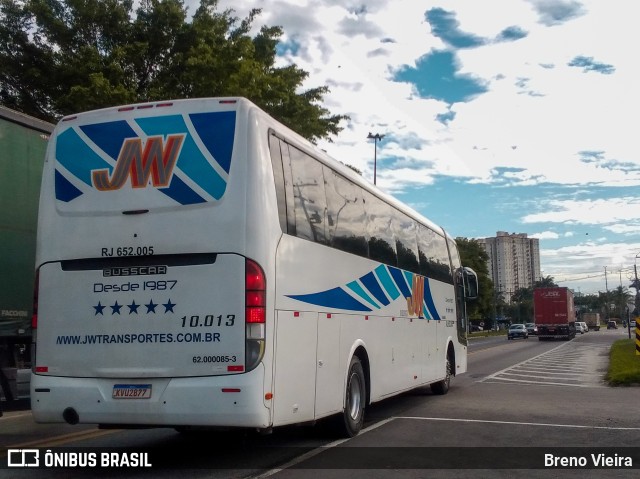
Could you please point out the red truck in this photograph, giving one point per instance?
(554, 313)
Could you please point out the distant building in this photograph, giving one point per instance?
(514, 261)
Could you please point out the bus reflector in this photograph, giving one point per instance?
(42, 369)
(235, 368)
(231, 390)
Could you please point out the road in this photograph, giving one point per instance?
(515, 402)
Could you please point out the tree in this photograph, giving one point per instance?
(546, 282)
(473, 255)
(63, 56)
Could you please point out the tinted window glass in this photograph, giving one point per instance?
(382, 246)
(433, 255)
(278, 176)
(345, 214)
(404, 230)
(309, 196)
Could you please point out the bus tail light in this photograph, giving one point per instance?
(255, 313)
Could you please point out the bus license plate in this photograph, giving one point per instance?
(131, 391)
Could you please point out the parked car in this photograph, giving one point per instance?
(632, 324)
(517, 331)
(585, 326)
(579, 327)
(475, 328)
(531, 328)
(612, 325)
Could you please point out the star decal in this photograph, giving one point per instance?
(151, 307)
(133, 307)
(99, 309)
(168, 306)
(115, 309)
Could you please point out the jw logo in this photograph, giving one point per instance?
(415, 302)
(153, 164)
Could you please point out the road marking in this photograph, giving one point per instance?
(320, 449)
(576, 365)
(317, 451)
(518, 423)
(65, 438)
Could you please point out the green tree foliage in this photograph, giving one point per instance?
(546, 282)
(474, 256)
(62, 57)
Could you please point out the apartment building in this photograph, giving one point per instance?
(514, 261)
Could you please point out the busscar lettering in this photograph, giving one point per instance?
(134, 271)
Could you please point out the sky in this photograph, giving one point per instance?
(514, 116)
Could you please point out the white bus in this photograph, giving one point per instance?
(200, 264)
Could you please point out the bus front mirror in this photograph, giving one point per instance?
(470, 283)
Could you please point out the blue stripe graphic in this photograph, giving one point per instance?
(181, 193)
(76, 156)
(216, 131)
(65, 191)
(429, 300)
(356, 288)
(387, 282)
(371, 283)
(396, 282)
(109, 137)
(332, 298)
(398, 277)
(191, 160)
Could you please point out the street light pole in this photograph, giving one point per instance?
(377, 137)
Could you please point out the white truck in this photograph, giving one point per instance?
(592, 320)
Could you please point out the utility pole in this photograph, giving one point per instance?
(376, 138)
(606, 285)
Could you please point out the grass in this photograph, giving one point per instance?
(624, 364)
(484, 334)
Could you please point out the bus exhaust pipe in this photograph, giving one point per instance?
(71, 416)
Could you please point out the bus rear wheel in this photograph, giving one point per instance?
(442, 387)
(352, 418)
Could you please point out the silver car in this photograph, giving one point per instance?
(517, 331)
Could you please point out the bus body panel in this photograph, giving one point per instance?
(322, 304)
(82, 225)
(233, 401)
(184, 320)
(316, 332)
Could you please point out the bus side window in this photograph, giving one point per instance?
(433, 255)
(404, 229)
(278, 175)
(309, 196)
(345, 214)
(382, 245)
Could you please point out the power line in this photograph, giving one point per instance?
(593, 275)
(598, 275)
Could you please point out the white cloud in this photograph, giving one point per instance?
(582, 266)
(545, 235)
(540, 121)
(611, 211)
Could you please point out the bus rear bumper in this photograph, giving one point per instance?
(225, 401)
